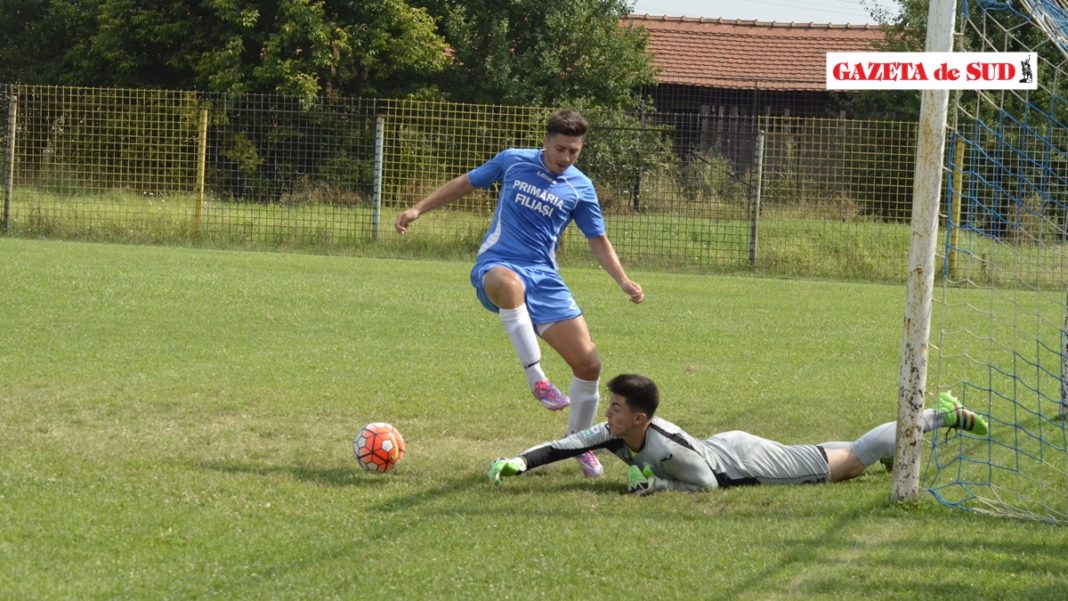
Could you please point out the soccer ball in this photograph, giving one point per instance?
(379, 447)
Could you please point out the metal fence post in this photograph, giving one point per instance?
(754, 218)
(9, 163)
(376, 210)
(954, 220)
(202, 161)
(636, 191)
(1064, 366)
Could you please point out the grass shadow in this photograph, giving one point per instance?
(801, 553)
(335, 477)
(446, 488)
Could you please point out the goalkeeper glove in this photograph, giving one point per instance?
(505, 467)
(640, 481)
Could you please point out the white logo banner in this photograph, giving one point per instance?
(932, 71)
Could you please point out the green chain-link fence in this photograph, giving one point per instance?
(699, 192)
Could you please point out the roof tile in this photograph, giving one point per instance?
(740, 54)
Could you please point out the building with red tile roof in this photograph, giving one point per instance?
(716, 77)
(747, 55)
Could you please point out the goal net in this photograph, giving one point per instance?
(1002, 343)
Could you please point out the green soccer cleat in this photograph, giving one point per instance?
(957, 416)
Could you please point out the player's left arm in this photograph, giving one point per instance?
(683, 469)
(667, 483)
(644, 481)
(606, 255)
(588, 217)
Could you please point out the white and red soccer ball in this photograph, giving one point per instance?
(379, 447)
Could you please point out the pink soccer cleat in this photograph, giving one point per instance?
(591, 467)
(550, 396)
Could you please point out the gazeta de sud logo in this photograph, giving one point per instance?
(932, 71)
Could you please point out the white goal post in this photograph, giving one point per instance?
(926, 191)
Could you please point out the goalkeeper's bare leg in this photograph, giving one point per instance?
(850, 459)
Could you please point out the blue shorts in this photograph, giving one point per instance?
(548, 298)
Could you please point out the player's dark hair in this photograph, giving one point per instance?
(568, 123)
(640, 392)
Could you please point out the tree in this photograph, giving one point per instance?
(543, 53)
(303, 48)
(906, 31)
(354, 48)
(36, 37)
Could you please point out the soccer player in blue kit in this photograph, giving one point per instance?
(662, 456)
(515, 274)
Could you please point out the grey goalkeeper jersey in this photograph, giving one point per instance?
(681, 462)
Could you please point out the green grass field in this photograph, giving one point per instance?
(176, 424)
(687, 238)
(691, 237)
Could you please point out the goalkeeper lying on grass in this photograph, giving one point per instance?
(664, 457)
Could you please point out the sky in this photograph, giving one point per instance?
(800, 11)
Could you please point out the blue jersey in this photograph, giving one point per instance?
(534, 207)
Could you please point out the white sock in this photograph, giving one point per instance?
(520, 332)
(878, 443)
(585, 395)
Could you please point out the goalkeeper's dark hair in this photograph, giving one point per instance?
(640, 392)
(568, 123)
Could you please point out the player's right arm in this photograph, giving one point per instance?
(458, 187)
(595, 437)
